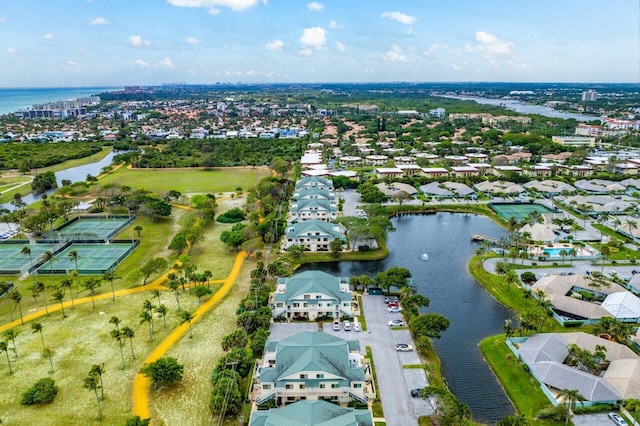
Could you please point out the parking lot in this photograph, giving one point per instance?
(394, 381)
(592, 420)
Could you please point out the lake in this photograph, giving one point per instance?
(445, 280)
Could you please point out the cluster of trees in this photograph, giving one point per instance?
(376, 226)
(43, 182)
(242, 346)
(194, 225)
(28, 156)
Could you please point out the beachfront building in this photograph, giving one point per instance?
(551, 360)
(312, 295)
(312, 366)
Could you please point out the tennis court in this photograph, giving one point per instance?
(93, 259)
(89, 228)
(517, 210)
(13, 262)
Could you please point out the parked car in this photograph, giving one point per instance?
(394, 309)
(617, 419)
(613, 272)
(346, 325)
(357, 326)
(336, 325)
(389, 299)
(403, 347)
(634, 271)
(415, 392)
(396, 323)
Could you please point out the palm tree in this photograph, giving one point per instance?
(163, 310)
(91, 383)
(5, 348)
(58, 296)
(110, 276)
(75, 275)
(128, 333)
(37, 288)
(74, 255)
(572, 253)
(11, 335)
(27, 250)
(66, 283)
(511, 277)
(117, 334)
(174, 284)
(98, 370)
(571, 396)
(36, 327)
(92, 284)
(16, 297)
(115, 321)
(138, 229)
(631, 224)
(145, 316)
(207, 274)
(186, 316)
(156, 294)
(48, 353)
(47, 256)
(633, 406)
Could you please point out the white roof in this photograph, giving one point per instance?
(622, 305)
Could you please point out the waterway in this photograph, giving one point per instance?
(445, 280)
(525, 108)
(74, 174)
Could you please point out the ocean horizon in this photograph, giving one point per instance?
(14, 99)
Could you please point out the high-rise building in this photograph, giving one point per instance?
(589, 96)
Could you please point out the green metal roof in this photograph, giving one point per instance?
(312, 413)
(313, 225)
(311, 282)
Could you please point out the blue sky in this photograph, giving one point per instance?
(127, 42)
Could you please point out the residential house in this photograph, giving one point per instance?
(311, 413)
(312, 208)
(312, 295)
(313, 235)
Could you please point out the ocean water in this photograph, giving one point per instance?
(12, 100)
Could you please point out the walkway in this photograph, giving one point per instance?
(141, 384)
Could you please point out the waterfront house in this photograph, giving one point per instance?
(313, 235)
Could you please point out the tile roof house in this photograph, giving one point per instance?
(313, 235)
(312, 294)
(312, 366)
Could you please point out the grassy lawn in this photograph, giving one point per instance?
(376, 406)
(612, 233)
(188, 181)
(523, 390)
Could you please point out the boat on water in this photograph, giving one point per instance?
(424, 256)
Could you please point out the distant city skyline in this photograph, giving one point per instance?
(66, 43)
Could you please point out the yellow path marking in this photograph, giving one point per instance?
(141, 384)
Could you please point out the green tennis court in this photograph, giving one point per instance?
(89, 229)
(517, 210)
(13, 262)
(92, 258)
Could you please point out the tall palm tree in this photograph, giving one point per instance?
(4, 347)
(128, 333)
(186, 316)
(27, 250)
(633, 406)
(163, 310)
(174, 284)
(91, 383)
(571, 396)
(110, 276)
(145, 316)
(74, 255)
(98, 370)
(37, 288)
(11, 335)
(16, 297)
(156, 293)
(58, 296)
(631, 224)
(48, 256)
(92, 284)
(36, 327)
(75, 275)
(66, 283)
(117, 335)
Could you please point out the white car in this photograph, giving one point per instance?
(396, 323)
(346, 325)
(357, 326)
(394, 309)
(617, 419)
(336, 326)
(403, 347)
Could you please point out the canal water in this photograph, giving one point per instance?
(74, 174)
(445, 280)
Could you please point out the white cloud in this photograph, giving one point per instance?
(399, 17)
(213, 11)
(136, 40)
(334, 25)
(395, 55)
(166, 62)
(48, 36)
(98, 21)
(11, 50)
(315, 6)
(274, 45)
(214, 4)
(436, 47)
(251, 72)
(71, 64)
(340, 46)
(3, 21)
(141, 63)
(314, 37)
(193, 40)
(490, 45)
(306, 52)
(455, 67)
